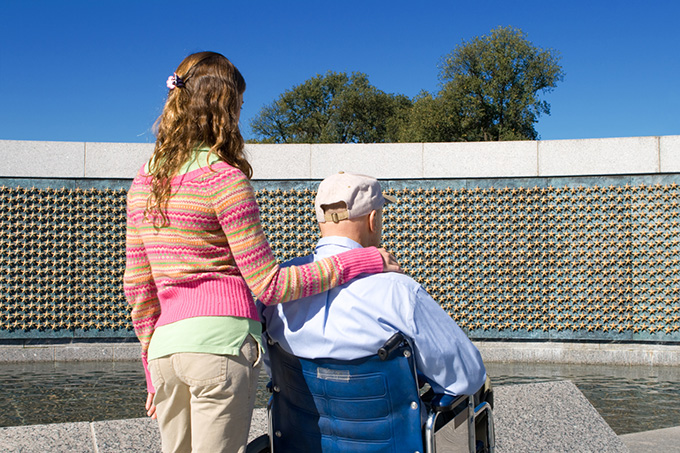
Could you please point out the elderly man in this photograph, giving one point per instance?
(355, 319)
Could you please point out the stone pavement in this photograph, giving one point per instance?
(660, 440)
(547, 417)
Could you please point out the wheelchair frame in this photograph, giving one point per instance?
(446, 414)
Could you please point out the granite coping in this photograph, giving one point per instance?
(492, 351)
(600, 353)
(549, 417)
(111, 436)
(59, 437)
(658, 440)
(601, 156)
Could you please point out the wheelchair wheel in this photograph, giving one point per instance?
(259, 445)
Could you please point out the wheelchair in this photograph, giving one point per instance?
(372, 404)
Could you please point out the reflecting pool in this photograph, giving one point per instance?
(630, 399)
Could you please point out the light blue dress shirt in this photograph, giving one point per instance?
(355, 319)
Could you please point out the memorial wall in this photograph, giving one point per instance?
(554, 240)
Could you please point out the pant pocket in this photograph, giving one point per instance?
(155, 372)
(251, 351)
(201, 369)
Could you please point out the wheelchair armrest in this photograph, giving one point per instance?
(391, 345)
(442, 402)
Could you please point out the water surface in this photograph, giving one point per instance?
(629, 398)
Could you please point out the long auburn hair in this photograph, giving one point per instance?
(203, 112)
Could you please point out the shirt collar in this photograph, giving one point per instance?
(332, 245)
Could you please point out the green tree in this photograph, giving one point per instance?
(334, 108)
(432, 119)
(494, 82)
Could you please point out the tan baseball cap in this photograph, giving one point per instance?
(362, 194)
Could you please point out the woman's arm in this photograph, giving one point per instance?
(238, 213)
(140, 289)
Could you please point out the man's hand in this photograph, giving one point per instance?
(390, 263)
(150, 407)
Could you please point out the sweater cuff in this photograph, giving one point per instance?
(149, 385)
(360, 261)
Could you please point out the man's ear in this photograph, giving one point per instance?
(373, 221)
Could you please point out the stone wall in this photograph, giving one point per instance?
(611, 156)
(560, 240)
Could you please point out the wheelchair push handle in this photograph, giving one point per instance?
(390, 346)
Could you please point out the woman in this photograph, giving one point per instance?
(196, 253)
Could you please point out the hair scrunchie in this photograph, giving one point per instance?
(174, 81)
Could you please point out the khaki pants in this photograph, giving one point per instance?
(205, 402)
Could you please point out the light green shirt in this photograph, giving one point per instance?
(222, 335)
(198, 159)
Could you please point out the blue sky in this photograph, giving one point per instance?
(95, 71)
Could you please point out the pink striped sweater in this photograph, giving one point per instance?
(213, 254)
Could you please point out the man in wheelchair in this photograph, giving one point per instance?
(385, 312)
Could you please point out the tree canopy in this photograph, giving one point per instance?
(333, 108)
(495, 81)
(490, 90)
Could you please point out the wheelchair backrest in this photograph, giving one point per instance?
(362, 405)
